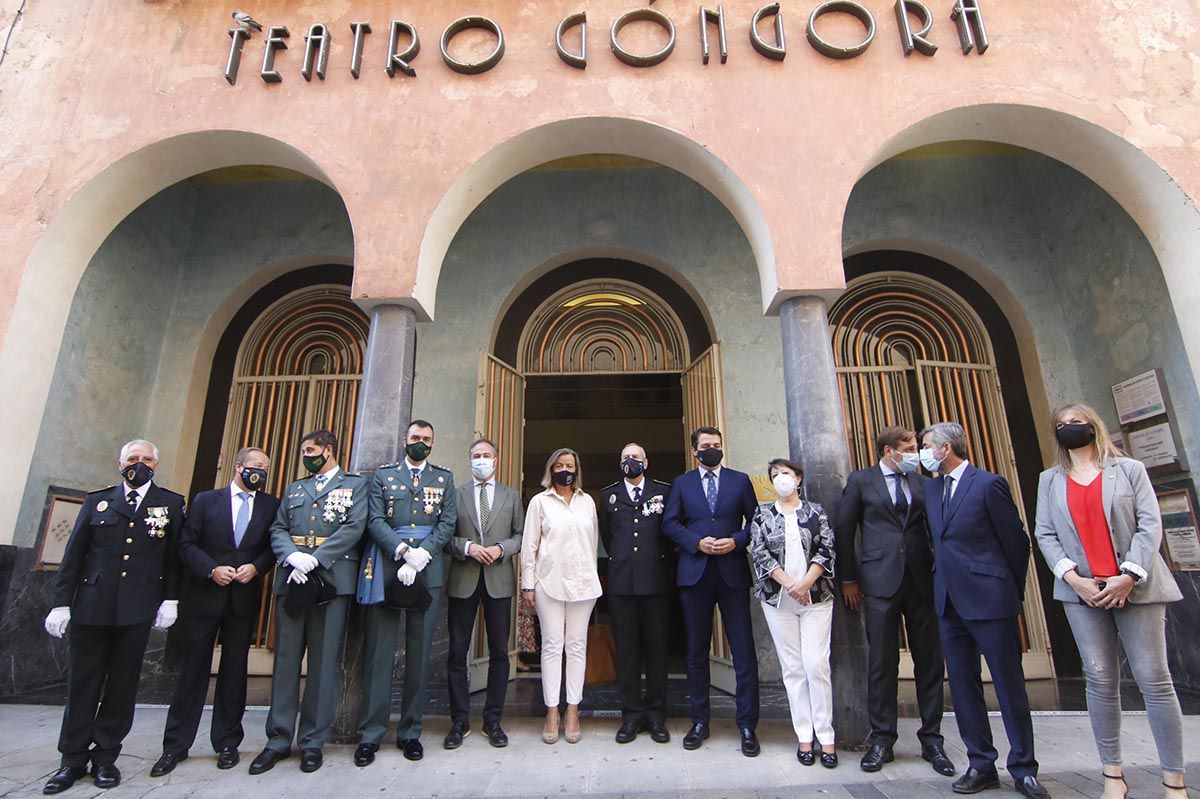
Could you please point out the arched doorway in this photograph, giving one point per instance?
(909, 350)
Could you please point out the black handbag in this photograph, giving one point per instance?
(407, 597)
(311, 593)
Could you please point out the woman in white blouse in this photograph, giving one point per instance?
(559, 577)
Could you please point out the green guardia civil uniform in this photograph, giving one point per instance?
(419, 511)
(327, 523)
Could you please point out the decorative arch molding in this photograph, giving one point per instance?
(312, 331)
(603, 326)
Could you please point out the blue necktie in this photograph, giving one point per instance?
(947, 494)
(901, 500)
(243, 519)
(710, 491)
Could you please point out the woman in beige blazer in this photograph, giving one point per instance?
(1099, 528)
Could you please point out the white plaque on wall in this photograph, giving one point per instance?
(1154, 446)
(1139, 398)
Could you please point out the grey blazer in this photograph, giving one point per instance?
(504, 528)
(1131, 509)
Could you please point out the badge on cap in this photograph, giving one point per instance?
(102, 506)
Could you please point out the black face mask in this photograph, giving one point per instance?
(137, 474)
(314, 463)
(563, 478)
(418, 451)
(632, 468)
(253, 478)
(710, 457)
(1074, 436)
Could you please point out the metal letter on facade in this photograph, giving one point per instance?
(234, 61)
(472, 67)
(777, 51)
(968, 16)
(577, 60)
(275, 41)
(910, 41)
(840, 7)
(402, 61)
(642, 15)
(316, 49)
(360, 31)
(708, 17)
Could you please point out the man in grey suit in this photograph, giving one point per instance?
(891, 576)
(484, 551)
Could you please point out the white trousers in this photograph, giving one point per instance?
(802, 642)
(564, 630)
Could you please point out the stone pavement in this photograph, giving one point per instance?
(597, 767)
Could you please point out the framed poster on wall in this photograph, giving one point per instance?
(1181, 534)
(58, 520)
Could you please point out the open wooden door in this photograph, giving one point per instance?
(500, 416)
(703, 406)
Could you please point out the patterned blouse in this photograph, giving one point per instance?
(767, 535)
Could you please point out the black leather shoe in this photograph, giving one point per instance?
(659, 733)
(364, 755)
(64, 778)
(695, 736)
(937, 758)
(166, 764)
(266, 760)
(974, 781)
(1029, 786)
(750, 747)
(412, 749)
(310, 760)
(806, 758)
(829, 759)
(876, 756)
(106, 776)
(628, 731)
(228, 757)
(495, 735)
(454, 738)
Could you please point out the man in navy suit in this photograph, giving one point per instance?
(226, 549)
(708, 514)
(981, 555)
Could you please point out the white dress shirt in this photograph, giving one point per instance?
(957, 475)
(141, 492)
(235, 504)
(629, 487)
(888, 471)
(559, 546)
(491, 484)
(716, 473)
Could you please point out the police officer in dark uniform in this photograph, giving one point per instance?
(413, 513)
(119, 577)
(641, 583)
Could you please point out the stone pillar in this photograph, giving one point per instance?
(384, 408)
(816, 439)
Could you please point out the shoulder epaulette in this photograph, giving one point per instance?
(352, 474)
(660, 482)
(173, 493)
(102, 490)
(439, 468)
(392, 465)
(611, 485)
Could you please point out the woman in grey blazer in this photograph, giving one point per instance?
(1099, 528)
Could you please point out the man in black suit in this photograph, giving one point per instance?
(981, 556)
(708, 514)
(639, 592)
(119, 576)
(889, 575)
(226, 549)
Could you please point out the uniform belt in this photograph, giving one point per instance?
(414, 532)
(311, 541)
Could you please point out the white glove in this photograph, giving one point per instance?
(168, 612)
(302, 562)
(57, 620)
(298, 577)
(417, 558)
(406, 574)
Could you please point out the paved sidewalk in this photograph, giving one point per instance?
(595, 767)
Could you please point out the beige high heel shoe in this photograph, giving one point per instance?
(550, 736)
(574, 735)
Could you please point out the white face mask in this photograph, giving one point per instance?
(930, 461)
(785, 484)
(482, 468)
(908, 463)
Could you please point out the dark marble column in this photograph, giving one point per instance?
(384, 408)
(816, 438)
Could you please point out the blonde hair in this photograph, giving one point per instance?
(1104, 447)
(558, 453)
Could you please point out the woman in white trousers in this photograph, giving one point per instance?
(559, 578)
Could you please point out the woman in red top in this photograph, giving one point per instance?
(1099, 528)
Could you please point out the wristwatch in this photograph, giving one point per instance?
(402, 550)
(1131, 573)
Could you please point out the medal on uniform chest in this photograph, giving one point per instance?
(653, 506)
(157, 520)
(102, 506)
(337, 502)
(432, 497)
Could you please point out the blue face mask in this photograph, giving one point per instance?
(909, 461)
(930, 461)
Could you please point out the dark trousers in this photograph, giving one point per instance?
(640, 630)
(497, 613)
(103, 668)
(317, 632)
(199, 634)
(883, 616)
(698, 601)
(1000, 642)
